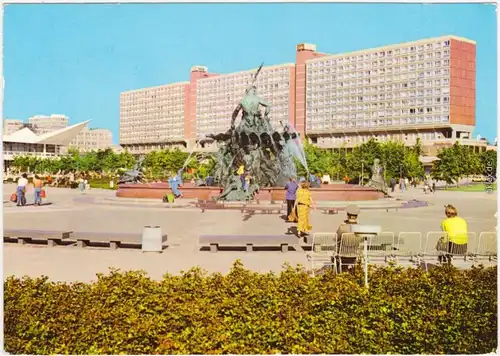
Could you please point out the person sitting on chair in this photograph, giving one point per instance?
(352, 219)
(456, 231)
(345, 228)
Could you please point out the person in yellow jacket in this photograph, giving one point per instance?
(303, 204)
(456, 232)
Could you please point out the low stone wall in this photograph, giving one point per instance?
(327, 192)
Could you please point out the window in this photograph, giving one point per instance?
(446, 99)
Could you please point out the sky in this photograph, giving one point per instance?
(76, 59)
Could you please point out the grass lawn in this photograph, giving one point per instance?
(479, 187)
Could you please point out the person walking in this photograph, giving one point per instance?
(22, 184)
(393, 184)
(291, 195)
(303, 204)
(38, 185)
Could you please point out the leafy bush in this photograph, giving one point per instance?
(405, 311)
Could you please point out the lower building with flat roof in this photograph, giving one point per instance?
(25, 142)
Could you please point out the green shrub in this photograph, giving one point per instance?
(405, 311)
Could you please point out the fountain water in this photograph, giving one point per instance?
(296, 147)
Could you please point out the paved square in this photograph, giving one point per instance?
(183, 226)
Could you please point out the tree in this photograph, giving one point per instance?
(488, 161)
(454, 163)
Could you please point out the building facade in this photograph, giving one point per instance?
(26, 142)
(423, 89)
(92, 140)
(12, 125)
(42, 124)
(153, 118)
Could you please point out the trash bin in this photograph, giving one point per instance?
(152, 239)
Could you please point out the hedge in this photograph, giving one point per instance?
(405, 311)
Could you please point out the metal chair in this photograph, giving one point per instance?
(487, 247)
(435, 246)
(462, 249)
(380, 246)
(403, 250)
(323, 250)
(351, 246)
(472, 246)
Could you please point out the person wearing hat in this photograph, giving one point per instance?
(352, 219)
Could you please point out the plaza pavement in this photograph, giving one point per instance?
(183, 226)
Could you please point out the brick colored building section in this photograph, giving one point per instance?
(304, 52)
(462, 82)
(197, 72)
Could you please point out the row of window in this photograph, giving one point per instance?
(316, 77)
(381, 137)
(173, 88)
(326, 83)
(143, 103)
(332, 104)
(231, 99)
(429, 94)
(413, 60)
(380, 122)
(437, 86)
(337, 114)
(384, 53)
(244, 77)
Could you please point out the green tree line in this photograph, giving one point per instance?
(398, 161)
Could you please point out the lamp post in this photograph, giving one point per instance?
(362, 173)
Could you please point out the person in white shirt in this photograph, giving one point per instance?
(22, 184)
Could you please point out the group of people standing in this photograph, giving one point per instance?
(22, 187)
(299, 202)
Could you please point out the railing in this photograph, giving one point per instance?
(34, 154)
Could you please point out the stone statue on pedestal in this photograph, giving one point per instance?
(377, 180)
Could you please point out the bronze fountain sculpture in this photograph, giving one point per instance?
(266, 154)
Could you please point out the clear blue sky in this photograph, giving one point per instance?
(76, 59)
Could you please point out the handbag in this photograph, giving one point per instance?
(13, 198)
(442, 244)
(292, 216)
(42, 193)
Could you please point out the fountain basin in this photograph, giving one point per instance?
(327, 192)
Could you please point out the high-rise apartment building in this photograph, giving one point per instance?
(42, 124)
(12, 125)
(423, 89)
(218, 96)
(92, 140)
(153, 118)
(420, 89)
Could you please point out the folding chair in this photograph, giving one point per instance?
(461, 250)
(323, 250)
(402, 246)
(380, 246)
(350, 247)
(436, 245)
(487, 247)
(472, 246)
